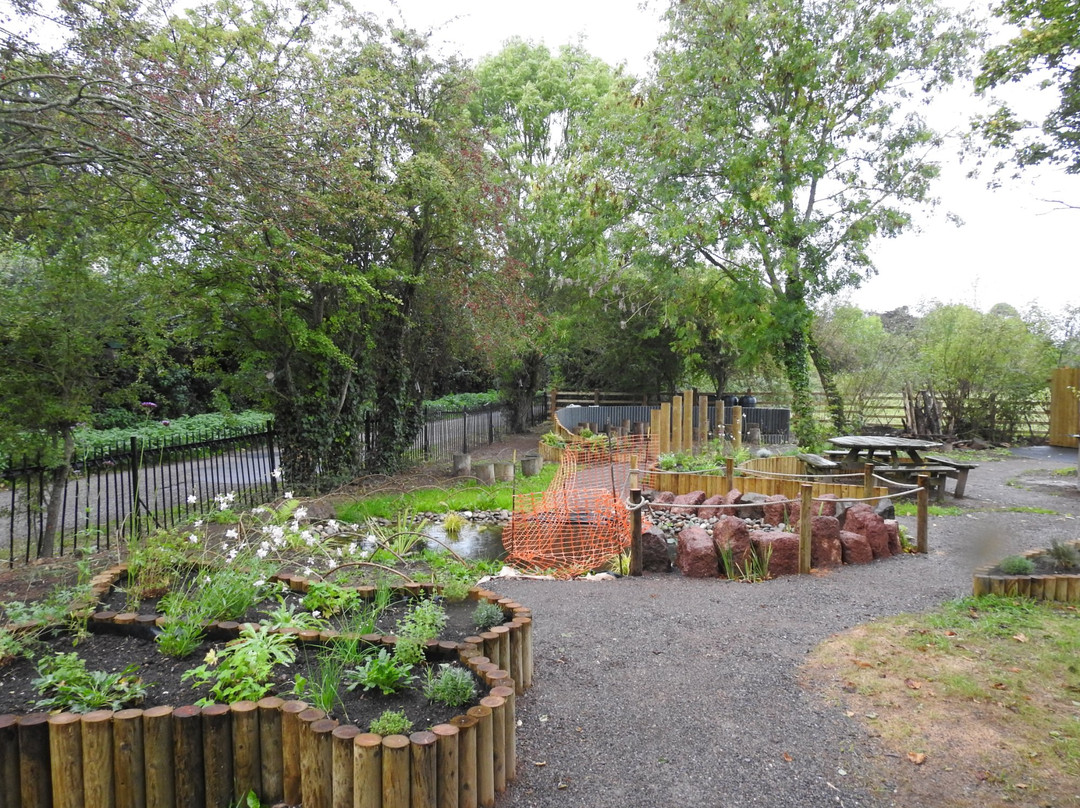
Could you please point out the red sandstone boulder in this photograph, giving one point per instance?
(664, 497)
(686, 504)
(695, 555)
(855, 548)
(825, 505)
(780, 511)
(731, 532)
(733, 497)
(825, 548)
(704, 511)
(861, 518)
(782, 550)
(892, 529)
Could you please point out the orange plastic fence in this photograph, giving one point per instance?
(581, 521)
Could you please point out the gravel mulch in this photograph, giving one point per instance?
(665, 691)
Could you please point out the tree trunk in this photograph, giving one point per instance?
(834, 400)
(58, 479)
(520, 384)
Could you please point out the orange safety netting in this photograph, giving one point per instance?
(581, 521)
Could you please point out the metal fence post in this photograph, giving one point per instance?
(491, 425)
(273, 465)
(135, 531)
(464, 431)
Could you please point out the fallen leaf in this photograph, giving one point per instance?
(1021, 785)
(862, 664)
(950, 633)
(912, 684)
(918, 758)
(539, 762)
(1020, 637)
(998, 686)
(850, 687)
(788, 757)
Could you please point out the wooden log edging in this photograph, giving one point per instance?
(211, 756)
(1062, 587)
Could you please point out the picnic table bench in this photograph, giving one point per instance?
(816, 464)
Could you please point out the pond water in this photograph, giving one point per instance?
(473, 542)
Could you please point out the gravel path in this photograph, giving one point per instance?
(666, 691)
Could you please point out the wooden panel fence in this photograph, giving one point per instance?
(1065, 407)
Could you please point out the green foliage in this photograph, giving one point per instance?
(487, 614)
(424, 620)
(244, 668)
(1065, 556)
(452, 685)
(1016, 565)
(287, 615)
(453, 522)
(11, 644)
(380, 671)
(462, 401)
(329, 598)
(391, 722)
(65, 684)
(182, 428)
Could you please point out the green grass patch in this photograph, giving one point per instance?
(1068, 471)
(1026, 509)
(911, 509)
(466, 495)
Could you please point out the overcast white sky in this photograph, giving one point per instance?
(1016, 245)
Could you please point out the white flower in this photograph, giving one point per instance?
(231, 533)
(260, 582)
(288, 495)
(300, 513)
(276, 473)
(352, 548)
(316, 613)
(258, 511)
(192, 499)
(331, 564)
(193, 538)
(307, 570)
(198, 522)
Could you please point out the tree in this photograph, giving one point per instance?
(780, 144)
(1048, 42)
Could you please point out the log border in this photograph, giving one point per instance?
(1061, 587)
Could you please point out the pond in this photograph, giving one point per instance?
(474, 542)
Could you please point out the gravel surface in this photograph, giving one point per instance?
(666, 691)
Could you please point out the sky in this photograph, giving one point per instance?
(1016, 245)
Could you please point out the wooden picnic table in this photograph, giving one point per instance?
(866, 449)
(903, 459)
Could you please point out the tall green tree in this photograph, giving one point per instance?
(780, 141)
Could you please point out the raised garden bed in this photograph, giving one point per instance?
(281, 749)
(1045, 582)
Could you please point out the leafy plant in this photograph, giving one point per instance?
(382, 671)
(183, 627)
(487, 614)
(287, 615)
(423, 621)
(330, 598)
(391, 722)
(243, 669)
(11, 644)
(1066, 556)
(453, 523)
(1017, 565)
(452, 685)
(756, 568)
(66, 684)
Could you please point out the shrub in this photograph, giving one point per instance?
(381, 671)
(452, 685)
(243, 669)
(66, 684)
(1017, 565)
(391, 722)
(487, 614)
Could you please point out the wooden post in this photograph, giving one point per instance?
(97, 758)
(467, 783)
(157, 725)
(485, 756)
(509, 730)
(922, 516)
(395, 771)
(422, 771)
(317, 761)
(129, 779)
(665, 428)
(688, 421)
(247, 769)
(341, 742)
(65, 752)
(805, 515)
(217, 754)
(868, 480)
(736, 427)
(729, 472)
(9, 761)
(35, 778)
(503, 633)
(189, 777)
(446, 750)
(635, 519)
(721, 427)
(497, 705)
(703, 420)
(367, 770)
(290, 750)
(676, 424)
(271, 772)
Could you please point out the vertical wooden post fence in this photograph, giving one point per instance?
(806, 491)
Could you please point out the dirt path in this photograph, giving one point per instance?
(665, 691)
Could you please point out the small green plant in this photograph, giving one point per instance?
(11, 644)
(287, 615)
(911, 509)
(1017, 565)
(1065, 556)
(453, 523)
(620, 564)
(451, 685)
(487, 614)
(243, 669)
(66, 684)
(391, 722)
(329, 598)
(423, 621)
(382, 671)
(906, 544)
(756, 568)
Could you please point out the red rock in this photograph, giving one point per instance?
(861, 518)
(706, 512)
(779, 510)
(783, 550)
(664, 497)
(686, 504)
(825, 505)
(695, 555)
(825, 548)
(856, 549)
(893, 531)
(654, 551)
(732, 532)
(733, 497)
